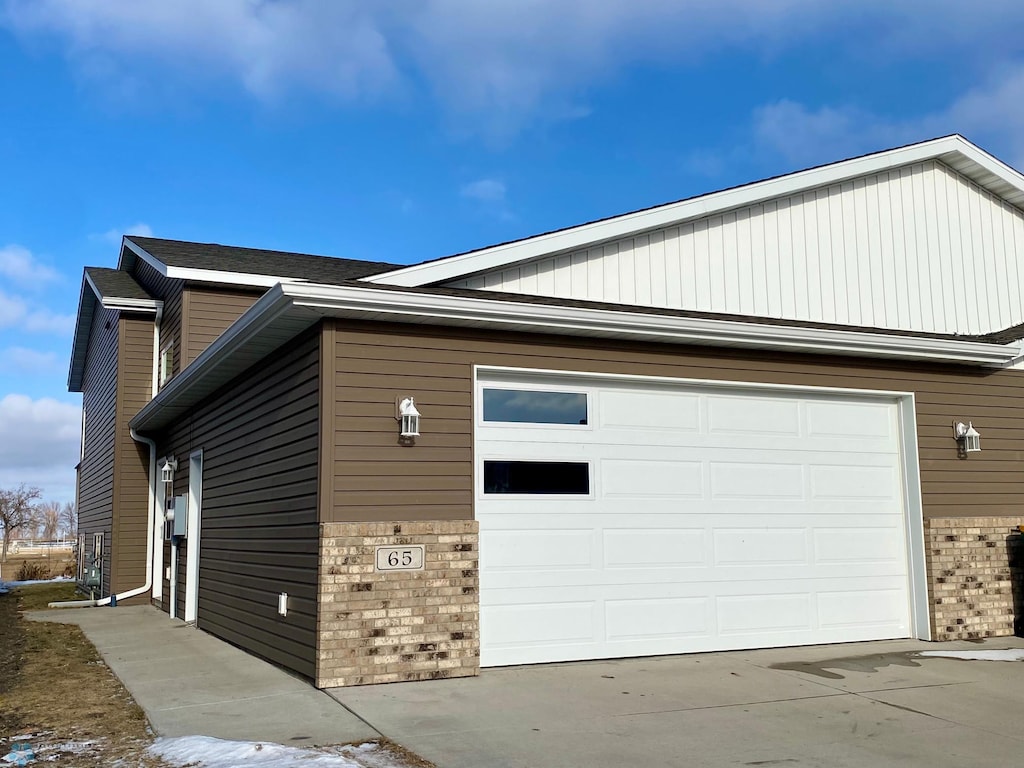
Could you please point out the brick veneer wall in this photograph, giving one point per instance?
(974, 576)
(389, 626)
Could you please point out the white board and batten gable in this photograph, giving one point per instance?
(927, 238)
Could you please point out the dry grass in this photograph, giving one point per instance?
(55, 563)
(55, 688)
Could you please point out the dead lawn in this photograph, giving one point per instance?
(55, 688)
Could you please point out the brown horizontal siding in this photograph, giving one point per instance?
(129, 536)
(260, 441)
(377, 363)
(210, 312)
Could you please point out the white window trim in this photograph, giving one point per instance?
(166, 363)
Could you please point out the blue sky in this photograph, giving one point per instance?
(404, 131)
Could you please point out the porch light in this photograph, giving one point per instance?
(167, 470)
(968, 437)
(408, 418)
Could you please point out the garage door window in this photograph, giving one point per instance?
(537, 477)
(528, 406)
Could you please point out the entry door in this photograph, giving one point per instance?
(623, 520)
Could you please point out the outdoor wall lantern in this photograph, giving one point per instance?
(967, 436)
(408, 418)
(167, 470)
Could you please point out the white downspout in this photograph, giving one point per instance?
(149, 539)
(152, 524)
(172, 608)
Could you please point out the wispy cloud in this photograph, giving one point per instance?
(115, 234)
(489, 190)
(20, 266)
(496, 66)
(990, 113)
(17, 313)
(32, 361)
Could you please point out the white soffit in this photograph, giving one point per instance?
(287, 310)
(954, 151)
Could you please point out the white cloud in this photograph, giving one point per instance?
(39, 444)
(991, 114)
(114, 235)
(495, 65)
(16, 313)
(488, 190)
(30, 361)
(19, 265)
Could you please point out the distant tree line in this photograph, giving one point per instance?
(23, 515)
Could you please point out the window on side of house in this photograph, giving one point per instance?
(531, 406)
(166, 362)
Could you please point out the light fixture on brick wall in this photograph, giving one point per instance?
(408, 419)
(967, 437)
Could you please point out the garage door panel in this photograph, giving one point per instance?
(667, 617)
(654, 412)
(715, 520)
(647, 478)
(851, 420)
(654, 547)
(753, 416)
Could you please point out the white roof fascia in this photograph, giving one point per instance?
(207, 275)
(295, 307)
(575, 238)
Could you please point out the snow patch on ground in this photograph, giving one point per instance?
(208, 752)
(7, 586)
(1009, 654)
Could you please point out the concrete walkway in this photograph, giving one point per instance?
(189, 682)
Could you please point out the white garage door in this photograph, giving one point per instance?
(619, 519)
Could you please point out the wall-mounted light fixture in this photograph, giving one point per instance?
(168, 468)
(408, 418)
(967, 437)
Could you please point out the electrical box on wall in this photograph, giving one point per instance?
(180, 519)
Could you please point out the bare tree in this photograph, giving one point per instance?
(69, 519)
(48, 520)
(17, 513)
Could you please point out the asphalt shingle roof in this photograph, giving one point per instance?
(229, 258)
(115, 284)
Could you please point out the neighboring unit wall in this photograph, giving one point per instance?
(99, 400)
(975, 576)
(259, 436)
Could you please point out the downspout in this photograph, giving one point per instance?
(151, 526)
(149, 540)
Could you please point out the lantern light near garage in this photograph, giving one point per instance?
(408, 418)
(967, 436)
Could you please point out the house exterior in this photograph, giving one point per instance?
(727, 422)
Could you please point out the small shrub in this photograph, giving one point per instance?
(33, 571)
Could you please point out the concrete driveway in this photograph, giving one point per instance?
(866, 705)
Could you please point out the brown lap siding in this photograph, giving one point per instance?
(375, 478)
(259, 436)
